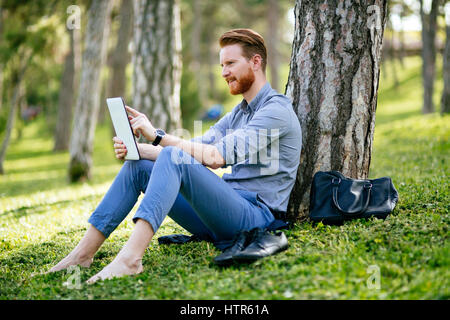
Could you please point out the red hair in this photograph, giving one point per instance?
(250, 41)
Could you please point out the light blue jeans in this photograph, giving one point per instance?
(188, 192)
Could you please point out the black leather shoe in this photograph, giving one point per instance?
(263, 244)
(239, 242)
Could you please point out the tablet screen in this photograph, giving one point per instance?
(122, 127)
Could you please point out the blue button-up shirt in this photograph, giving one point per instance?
(262, 142)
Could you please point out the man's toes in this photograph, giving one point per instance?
(93, 279)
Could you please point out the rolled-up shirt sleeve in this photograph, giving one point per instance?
(258, 141)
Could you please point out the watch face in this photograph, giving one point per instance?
(160, 132)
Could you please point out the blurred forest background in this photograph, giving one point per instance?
(43, 42)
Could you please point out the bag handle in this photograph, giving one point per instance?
(368, 186)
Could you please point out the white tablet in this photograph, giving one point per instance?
(122, 127)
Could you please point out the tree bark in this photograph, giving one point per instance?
(67, 92)
(117, 61)
(121, 57)
(157, 62)
(273, 9)
(428, 54)
(392, 54)
(21, 105)
(445, 100)
(211, 44)
(105, 80)
(401, 37)
(196, 49)
(333, 83)
(86, 112)
(2, 65)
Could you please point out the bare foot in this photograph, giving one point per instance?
(72, 259)
(119, 267)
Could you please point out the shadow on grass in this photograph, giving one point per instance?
(30, 154)
(44, 178)
(28, 187)
(39, 168)
(23, 211)
(13, 189)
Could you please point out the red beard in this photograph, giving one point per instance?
(243, 84)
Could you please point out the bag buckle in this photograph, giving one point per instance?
(368, 186)
(336, 181)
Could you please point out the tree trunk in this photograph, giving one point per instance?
(445, 100)
(383, 63)
(22, 104)
(9, 127)
(121, 57)
(428, 54)
(86, 112)
(105, 80)
(14, 103)
(2, 65)
(1, 86)
(157, 62)
(401, 37)
(273, 9)
(196, 49)
(211, 44)
(392, 55)
(333, 83)
(67, 93)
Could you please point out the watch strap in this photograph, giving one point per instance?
(157, 140)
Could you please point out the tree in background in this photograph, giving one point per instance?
(121, 57)
(389, 45)
(403, 11)
(333, 82)
(157, 62)
(115, 82)
(445, 100)
(25, 39)
(429, 23)
(87, 105)
(72, 63)
(195, 44)
(23, 59)
(272, 42)
(1, 60)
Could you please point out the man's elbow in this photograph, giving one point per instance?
(215, 160)
(216, 165)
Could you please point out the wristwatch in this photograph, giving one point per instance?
(159, 134)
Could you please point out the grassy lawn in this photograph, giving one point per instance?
(42, 218)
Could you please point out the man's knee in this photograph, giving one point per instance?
(174, 155)
(136, 166)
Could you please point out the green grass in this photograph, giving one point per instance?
(42, 218)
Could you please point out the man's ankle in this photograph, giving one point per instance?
(130, 260)
(82, 255)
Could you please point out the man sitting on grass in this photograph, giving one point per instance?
(175, 177)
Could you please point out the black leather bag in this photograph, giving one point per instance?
(335, 198)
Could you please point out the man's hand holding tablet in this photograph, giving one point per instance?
(119, 148)
(125, 144)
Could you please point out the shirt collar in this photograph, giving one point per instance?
(254, 104)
